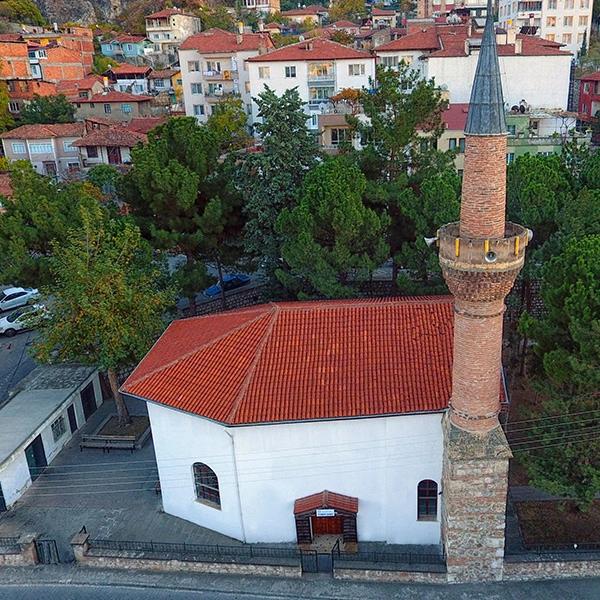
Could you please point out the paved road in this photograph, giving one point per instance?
(68, 582)
(15, 362)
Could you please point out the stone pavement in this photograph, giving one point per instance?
(113, 495)
(316, 588)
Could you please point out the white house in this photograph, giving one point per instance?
(532, 69)
(318, 68)
(281, 422)
(213, 65)
(566, 21)
(49, 406)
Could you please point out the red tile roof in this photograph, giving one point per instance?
(300, 361)
(111, 136)
(216, 41)
(313, 9)
(128, 38)
(326, 499)
(114, 96)
(455, 116)
(125, 68)
(591, 77)
(313, 49)
(40, 132)
(166, 13)
(343, 24)
(163, 74)
(382, 12)
(145, 124)
(73, 86)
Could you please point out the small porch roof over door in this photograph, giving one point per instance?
(326, 499)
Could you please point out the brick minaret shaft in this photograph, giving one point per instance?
(480, 258)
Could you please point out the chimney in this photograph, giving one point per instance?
(55, 26)
(511, 35)
(240, 26)
(105, 83)
(518, 46)
(261, 26)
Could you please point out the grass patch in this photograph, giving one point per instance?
(138, 425)
(558, 522)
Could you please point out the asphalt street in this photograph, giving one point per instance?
(15, 361)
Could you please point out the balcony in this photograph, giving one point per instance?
(225, 75)
(325, 79)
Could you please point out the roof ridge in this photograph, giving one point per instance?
(197, 349)
(252, 370)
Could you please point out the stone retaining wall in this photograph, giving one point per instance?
(389, 576)
(536, 570)
(26, 556)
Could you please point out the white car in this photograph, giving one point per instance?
(14, 297)
(22, 319)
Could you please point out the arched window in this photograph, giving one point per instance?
(427, 499)
(207, 485)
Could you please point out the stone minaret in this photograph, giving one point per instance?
(480, 258)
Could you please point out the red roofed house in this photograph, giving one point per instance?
(117, 106)
(314, 14)
(129, 78)
(167, 29)
(74, 89)
(318, 68)
(22, 91)
(533, 69)
(589, 95)
(280, 422)
(382, 17)
(212, 66)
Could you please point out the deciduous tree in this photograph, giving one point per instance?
(331, 239)
(346, 9)
(108, 299)
(48, 110)
(229, 123)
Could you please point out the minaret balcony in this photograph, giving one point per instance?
(481, 270)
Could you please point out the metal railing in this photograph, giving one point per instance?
(9, 545)
(199, 552)
(397, 559)
(571, 548)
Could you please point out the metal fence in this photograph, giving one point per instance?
(200, 553)
(9, 545)
(552, 548)
(396, 560)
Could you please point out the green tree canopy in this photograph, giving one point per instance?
(6, 120)
(108, 299)
(21, 11)
(40, 212)
(331, 238)
(399, 109)
(48, 110)
(346, 9)
(270, 179)
(229, 123)
(103, 63)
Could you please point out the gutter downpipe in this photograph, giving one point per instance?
(237, 485)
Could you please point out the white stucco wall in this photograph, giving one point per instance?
(379, 460)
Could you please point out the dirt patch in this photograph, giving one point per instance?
(138, 425)
(558, 522)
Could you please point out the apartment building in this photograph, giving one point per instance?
(532, 69)
(49, 148)
(318, 68)
(465, 8)
(263, 6)
(167, 29)
(214, 64)
(566, 21)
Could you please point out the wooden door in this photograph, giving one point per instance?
(327, 525)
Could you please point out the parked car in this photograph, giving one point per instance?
(23, 319)
(14, 297)
(231, 281)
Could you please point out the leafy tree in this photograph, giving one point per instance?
(104, 176)
(216, 16)
(48, 110)
(180, 198)
(271, 179)
(567, 348)
(537, 189)
(346, 9)
(6, 120)
(280, 40)
(39, 212)
(229, 123)
(331, 238)
(21, 11)
(399, 109)
(107, 303)
(342, 37)
(103, 63)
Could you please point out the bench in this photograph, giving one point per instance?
(108, 442)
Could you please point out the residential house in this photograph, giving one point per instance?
(49, 148)
(46, 409)
(167, 29)
(347, 26)
(74, 89)
(117, 106)
(213, 65)
(589, 95)
(55, 63)
(129, 78)
(23, 91)
(263, 6)
(314, 14)
(15, 57)
(166, 80)
(368, 38)
(532, 69)
(464, 9)
(274, 28)
(314, 431)
(566, 21)
(318, 68)
(127, 48)
(383, 17)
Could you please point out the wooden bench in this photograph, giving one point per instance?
(108, 442)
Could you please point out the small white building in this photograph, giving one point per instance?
(533, 70)
(47, 408)
(167, 29)
(318, 68)
(568, 22)
(281, 422)
(213, 66)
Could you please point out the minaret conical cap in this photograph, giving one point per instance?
(486, 108)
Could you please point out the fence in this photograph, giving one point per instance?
(200, 553)
(405, 561)
(10, 545)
